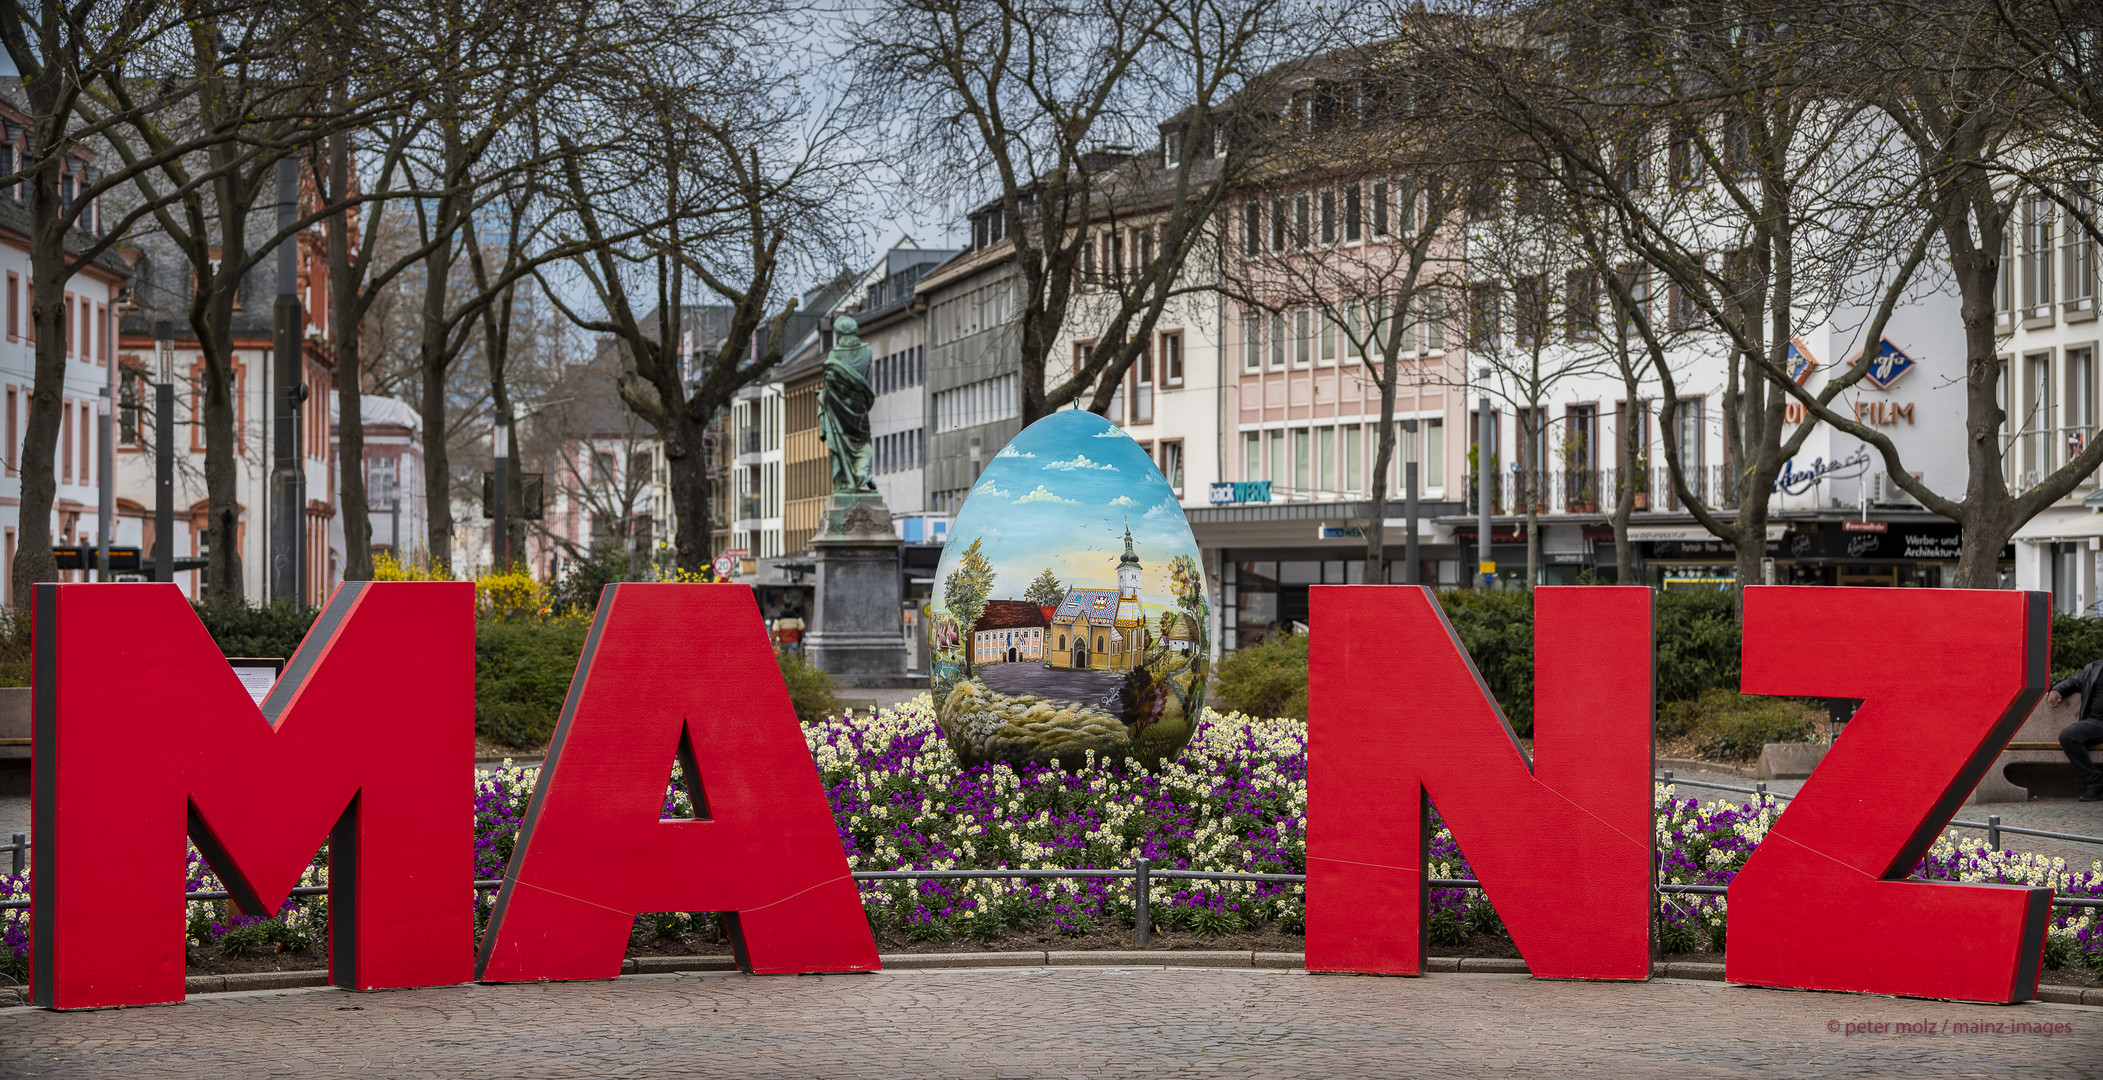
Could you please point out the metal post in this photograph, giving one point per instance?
(500, 536)
(288, 390)
(106, 508)
(1760, 786)
(1142, 896)
(1668, 776)
(1410, 562)
(21, 853)
(164, 455)
(1484, 478)
(1993, 831)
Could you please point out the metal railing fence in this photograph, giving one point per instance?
(1992, 825)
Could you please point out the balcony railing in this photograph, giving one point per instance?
(748, 441)
(1596, 491)
(748, 507)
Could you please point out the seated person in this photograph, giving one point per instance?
(2077, 736)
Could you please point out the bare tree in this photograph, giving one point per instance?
(1769, 202)
(1038, 104)
(1353, 227)
(747, 193)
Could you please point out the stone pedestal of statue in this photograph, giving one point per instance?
(854, 613)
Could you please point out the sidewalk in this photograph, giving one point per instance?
(1057, 1022)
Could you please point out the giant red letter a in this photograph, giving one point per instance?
(142, 732)
(1400, 720)
(676, 670)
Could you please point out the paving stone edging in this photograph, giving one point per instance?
(1288, 961)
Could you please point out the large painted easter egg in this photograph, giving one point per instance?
(1070, 609)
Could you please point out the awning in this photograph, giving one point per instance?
(1688, 533)
(2075, 528)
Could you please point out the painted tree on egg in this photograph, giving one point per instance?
(965, 593)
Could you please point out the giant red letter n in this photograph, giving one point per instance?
(676, 670)
(142, 733)
(1399, 720)
(1819, 904)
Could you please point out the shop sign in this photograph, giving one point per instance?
(1794, 481)
(1801, 362)
(1891, 364)
(1241, 491)
(1337, 532)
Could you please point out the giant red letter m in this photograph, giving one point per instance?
(1400, 721)
(142, 734)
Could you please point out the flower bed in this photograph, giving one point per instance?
(1235, 800)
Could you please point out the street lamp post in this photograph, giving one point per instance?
(1485, 569)
(164, 454)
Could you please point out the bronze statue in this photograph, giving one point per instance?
(843, 408)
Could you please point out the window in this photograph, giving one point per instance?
(2080, 260)
(1303, 337)
(1300, 212)
(1329, 349)
(1379, 208)
(14, 307)
(1685, 308)
(1088, 262)
(2080, 403)
(1634, 281)
(1142, 250)
(1434, 320)
(1632, 162)
(65, 441)
(1114, 255)
(1581, 437)
(14, 433)
(1278, 339)
(1251, 229)
(1353, 215)
(382, 485)
(1325, 458)
(1251, 455)
(1691, 442)
(1435, 454)
(1172, 358)
(131, 406)
(1686, 154)
(1143, 387)
(603, 464)
(1172, 464)
(1354, 459)
(1301, 459)
(1482, 200)
(1530, 301)
(1275, 465)
(1738, 148)
(1581, 305)
(2037, 257)
(1251, 341)
(87, 432)
(1482, 315)
(1328, 217)
(1278, 224)
(982, 402)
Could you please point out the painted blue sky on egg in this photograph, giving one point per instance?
(1060, 495)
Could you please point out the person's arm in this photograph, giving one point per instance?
(2080, 682)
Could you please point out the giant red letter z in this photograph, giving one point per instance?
(679, 670)
(1820, 905)
(142, 732)
(1399, 720)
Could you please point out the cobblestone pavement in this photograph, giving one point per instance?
(1052, 1022)
(2056, 815)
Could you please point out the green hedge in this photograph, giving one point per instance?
(1697, 636)
(522, 675)
(2076, 643)
(1266, 679)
